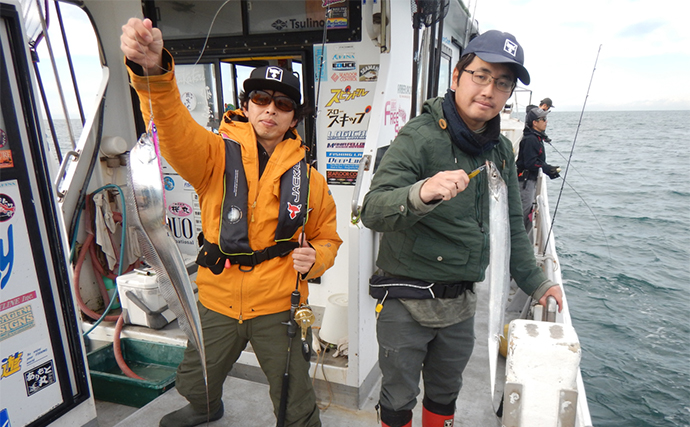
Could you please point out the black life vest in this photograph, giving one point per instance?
(234, 229)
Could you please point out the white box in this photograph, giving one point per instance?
(541, 375)
(142, 303)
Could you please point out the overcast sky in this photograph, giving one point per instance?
(644, 62)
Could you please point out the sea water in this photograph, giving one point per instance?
(622, 230)
(623, 237)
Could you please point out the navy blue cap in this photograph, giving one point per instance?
(271, 77)
(497, 47)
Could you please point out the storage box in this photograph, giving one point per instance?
(142, 302)
(155, 362)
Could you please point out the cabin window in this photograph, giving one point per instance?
(445, 71)
(83, 56)
(198, 92)
(189, 19)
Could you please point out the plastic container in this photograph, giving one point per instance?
(155, 362)
(110, 287)
(142, 302)
(334, 324)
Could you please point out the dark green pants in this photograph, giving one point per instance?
(407, 349)
(224, 340)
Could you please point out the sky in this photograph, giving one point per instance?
(644, 62)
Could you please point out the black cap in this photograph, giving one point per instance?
(271, 77)
(547, 101)
(497, 47)
(534, 114)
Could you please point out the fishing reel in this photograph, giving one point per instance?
(304, 317)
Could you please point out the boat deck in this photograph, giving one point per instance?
(247, 402)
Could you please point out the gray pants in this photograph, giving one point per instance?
(528, 191)
(407, 349)
(224, 340)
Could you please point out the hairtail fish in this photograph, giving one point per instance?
(499, 262)
(146, 208)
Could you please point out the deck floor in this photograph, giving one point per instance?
(247, 402)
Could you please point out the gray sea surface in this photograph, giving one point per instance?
(622, 230)
(623, 238)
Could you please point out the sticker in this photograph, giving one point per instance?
(39, 378)
(337, 18)
(15, 322)
(169, 183)
(3, 138)
(319, 63)
(6, 160)
(394, 115)
(11, 365)
(6, 259)
(344, 145)
(345, 95)
(5, 418)
(340, 117)
(344, 66)
(33, 357)
(344, 77)
(21, 299)
(368, 73)
(345, 135)
(180, 209)
(7, 206)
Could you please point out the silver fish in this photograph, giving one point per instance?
(499, 262)
(146, 212)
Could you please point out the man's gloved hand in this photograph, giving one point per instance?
(553, 172)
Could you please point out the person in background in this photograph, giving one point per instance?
(532, 158)
(546, 104)
(245, 275)
(434, 221)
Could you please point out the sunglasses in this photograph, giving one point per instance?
(283, 103)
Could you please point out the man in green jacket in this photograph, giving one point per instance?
(435, 221)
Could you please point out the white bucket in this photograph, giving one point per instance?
(334, 325)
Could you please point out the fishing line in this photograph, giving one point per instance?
(318, 84)
(566, 159)
(595, 217)
(153, 131)
(572, 149)
(213, 21)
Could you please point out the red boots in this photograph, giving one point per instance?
(430, 419)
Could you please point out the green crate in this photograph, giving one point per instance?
(155, 362)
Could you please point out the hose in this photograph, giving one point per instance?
(117, 351)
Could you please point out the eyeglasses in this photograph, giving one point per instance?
(283, 103)
(483, 78)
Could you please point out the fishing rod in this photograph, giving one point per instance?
(572, 149)
(301, 316)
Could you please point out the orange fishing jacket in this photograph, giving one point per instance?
(198, 155)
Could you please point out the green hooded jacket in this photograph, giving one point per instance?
(449, 242)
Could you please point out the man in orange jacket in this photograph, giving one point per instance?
(245, 277)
